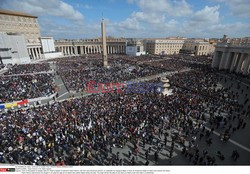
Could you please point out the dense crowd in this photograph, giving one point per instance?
(15, 88)
(76, 74)
(202, 82)
(28, 68)
(142, 59)
(169, 64)
(237, 77)
(95, 130)
(87, 130)
(196, 59)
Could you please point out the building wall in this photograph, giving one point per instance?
(135, 50)
(28, 26)
(198, 46)
(48, 45)
(164, 46)
(13, 22)
(135, 47)
(13, 49)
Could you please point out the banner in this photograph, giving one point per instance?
(15, 104)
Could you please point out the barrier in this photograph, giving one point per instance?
(14, 104)
(24, 102)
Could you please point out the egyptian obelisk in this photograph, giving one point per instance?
(104, 45)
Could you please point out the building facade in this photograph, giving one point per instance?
(90, 46)
(12, 22)
(21, 23)
(168, 46)
(13, 49)
(135, 47)
(233, 56)
(198, 47)
(48, 48)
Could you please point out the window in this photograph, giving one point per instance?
(138, 49)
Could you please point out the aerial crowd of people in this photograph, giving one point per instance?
(77, 72)
(28, 68)
(124, 128)
(26, 81)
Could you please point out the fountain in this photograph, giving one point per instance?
(165, 87)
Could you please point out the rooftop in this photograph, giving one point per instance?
(16, 13)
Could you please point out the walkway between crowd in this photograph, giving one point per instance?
(64, 95)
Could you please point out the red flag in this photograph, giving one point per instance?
(23, 102)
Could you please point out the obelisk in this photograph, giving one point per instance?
(104, 45)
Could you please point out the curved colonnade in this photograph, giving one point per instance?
(232, 57)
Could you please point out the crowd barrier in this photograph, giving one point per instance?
(24, 102)
(14, 104)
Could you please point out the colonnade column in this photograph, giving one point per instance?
(246, 65)
(223, 60)
(64, 50)
(39, 52)
(71, 50)
(67, 50)
(29, 52)
(240, 63)
(36, 54)
(85, 49)
(234, 61)
(32, 54)
(228, 60)
(123, 48)
(215, 59)
(74, 50)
